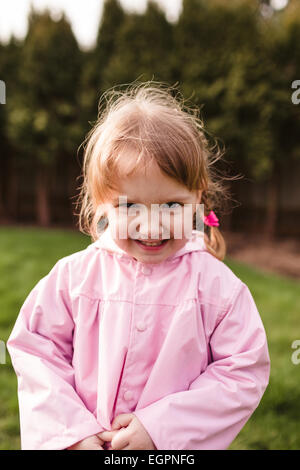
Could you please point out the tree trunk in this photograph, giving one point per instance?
(269, 229)
(11, 197)
(42, 195)
(3, 208)
(3, 216)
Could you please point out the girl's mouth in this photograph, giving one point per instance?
(153, 246)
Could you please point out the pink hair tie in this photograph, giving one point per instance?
(211, 220)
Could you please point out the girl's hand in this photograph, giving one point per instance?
(127, 433)
(90, 443)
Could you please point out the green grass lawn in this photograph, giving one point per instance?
(28, 254)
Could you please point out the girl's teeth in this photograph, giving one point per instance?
(151, 244)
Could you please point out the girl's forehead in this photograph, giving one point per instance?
(146, 181)
(146, 177)
(146, 168)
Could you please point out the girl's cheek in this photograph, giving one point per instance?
(182, 224)
(177, 226)
(118, 225)
(124, 227)
(188, 220)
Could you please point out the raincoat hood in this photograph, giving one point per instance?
(195, 243)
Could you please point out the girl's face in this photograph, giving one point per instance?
(136, 215)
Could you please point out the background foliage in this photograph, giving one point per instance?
(235, 60)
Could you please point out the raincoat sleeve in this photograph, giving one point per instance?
(52, 415)
(220, 400)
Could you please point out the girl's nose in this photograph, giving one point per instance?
(149, 232)
(149, 226)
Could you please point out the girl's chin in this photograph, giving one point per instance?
(142, 252)
(154, 256)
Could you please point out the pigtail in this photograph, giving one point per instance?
(214, 240)
(215, 243)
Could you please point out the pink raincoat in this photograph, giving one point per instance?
(180, 344)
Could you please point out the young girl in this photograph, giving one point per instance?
(145, 339)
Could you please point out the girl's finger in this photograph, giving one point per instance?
(120, 440)
(107, 435)
(122, 420)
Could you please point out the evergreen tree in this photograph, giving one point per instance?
(96, 61)
(10, 62)
(44, 121)
(144, 47)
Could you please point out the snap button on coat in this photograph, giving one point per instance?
(146, 270)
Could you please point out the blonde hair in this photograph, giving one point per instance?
(147, 119)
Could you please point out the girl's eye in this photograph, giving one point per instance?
(167, 205)
(173, 205)
(129, 205)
